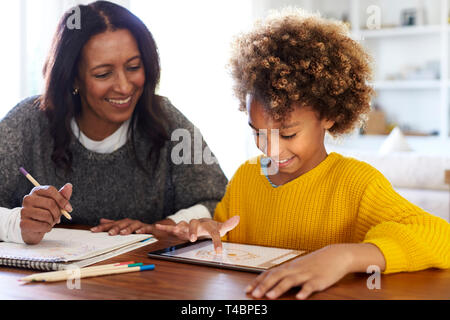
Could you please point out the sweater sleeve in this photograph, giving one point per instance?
(195, 172)
(232, 194)
(12, 151)
(12, 156)
(222, 212)
(409, 238)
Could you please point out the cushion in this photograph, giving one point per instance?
(435, 202)
(395, 142)
(406, 169)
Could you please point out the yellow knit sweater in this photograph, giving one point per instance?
(342, 200)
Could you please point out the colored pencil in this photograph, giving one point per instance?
(96, 273)
(36, 184)
(82, 273)
(43, 275)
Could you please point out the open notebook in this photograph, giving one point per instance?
(66, 248)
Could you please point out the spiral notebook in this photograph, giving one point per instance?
(67, 248)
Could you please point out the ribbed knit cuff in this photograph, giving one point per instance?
(197, 211)
(394, 255)
(10, 225)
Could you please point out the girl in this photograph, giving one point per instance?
(298, 76)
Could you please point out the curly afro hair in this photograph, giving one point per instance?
(293, 59)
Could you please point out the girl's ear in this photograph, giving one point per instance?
(327, 124)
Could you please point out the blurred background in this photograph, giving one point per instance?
(408, 39)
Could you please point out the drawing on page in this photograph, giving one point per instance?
(232, 255)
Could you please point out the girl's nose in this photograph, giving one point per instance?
(271, 144)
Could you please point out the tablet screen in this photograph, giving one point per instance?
(234, 255)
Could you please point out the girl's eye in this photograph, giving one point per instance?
(257, 133)
(289, 137)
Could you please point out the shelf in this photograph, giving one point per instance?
(406, 84)
(418, 45)
(400, 31)
(420, 144)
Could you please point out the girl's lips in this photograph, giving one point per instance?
(284, 163)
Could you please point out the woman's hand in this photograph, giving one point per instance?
(314, 272)
(123, 227)
(202, 227)
(41, 210)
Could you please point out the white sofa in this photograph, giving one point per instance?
(418, 177)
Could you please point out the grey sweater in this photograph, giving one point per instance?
(110, 185)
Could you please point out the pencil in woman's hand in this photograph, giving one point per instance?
(36, 184)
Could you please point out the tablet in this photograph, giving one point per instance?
(234, 256)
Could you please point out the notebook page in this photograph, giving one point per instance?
(65, 245)
(107, 255)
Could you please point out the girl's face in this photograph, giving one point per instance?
(300, 140)
(110, 80)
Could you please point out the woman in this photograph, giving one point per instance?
(100, 126)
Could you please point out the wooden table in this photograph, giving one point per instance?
(179, 281)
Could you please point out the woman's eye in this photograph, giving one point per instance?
(102, 76)
(134, 68)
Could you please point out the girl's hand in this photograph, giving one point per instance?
(41, 210)
(202, 227)
(122, 227)
(314, 272)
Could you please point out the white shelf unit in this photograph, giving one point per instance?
(400, 31)
(426, 100)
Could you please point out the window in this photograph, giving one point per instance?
(9, 56)
(193, 39)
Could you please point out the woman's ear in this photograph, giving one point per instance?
(75, 84)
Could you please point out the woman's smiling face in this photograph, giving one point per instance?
(111, 80)
(299, 144)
